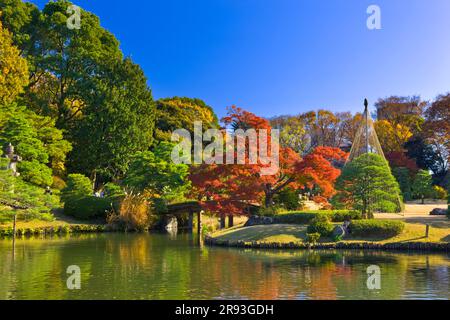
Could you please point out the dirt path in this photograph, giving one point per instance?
(418, 213)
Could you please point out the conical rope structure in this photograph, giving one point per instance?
(366, 141)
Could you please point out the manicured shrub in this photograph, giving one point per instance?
(440, 193)
(78, 186)
(87, 208)
(312, 238)
(60, 230)
(345, 215)
(321, 224)
(305, 217)
(269, 212)
(376, 228)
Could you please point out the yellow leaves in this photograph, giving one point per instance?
(14, 75)
(392, 137)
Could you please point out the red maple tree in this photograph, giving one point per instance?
(227, 189)
(398, 159)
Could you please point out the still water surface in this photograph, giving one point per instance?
(138, 266)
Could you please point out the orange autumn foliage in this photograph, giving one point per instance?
(229, 188)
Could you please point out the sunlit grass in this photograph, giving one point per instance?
(439, 232)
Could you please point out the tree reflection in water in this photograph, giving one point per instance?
(142, 266)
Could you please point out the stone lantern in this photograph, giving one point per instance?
(14, 159)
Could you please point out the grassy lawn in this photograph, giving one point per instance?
(284, 233)
(60, 220)
(265, 233)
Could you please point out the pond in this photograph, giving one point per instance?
(149, 266)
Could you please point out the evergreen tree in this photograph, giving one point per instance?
(403, 177)
(37, 141)
(367, 184)
(422, 186)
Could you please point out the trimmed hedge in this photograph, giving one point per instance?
(321, 225)
(87, 208)
(377, 228)
(305, 217)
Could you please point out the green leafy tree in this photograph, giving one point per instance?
(425, 155)
(403, 177)
(21, 19)
(78, 186)
(20, 198)
(79, 78)
(292, 133)
(154, 171)
(180, 113)
(37, 141)
(118, 122)
(367, 184)
(422, 186)
(62, 60)
(13, 68)
(288, 198)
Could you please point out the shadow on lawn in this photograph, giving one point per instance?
(258, 233)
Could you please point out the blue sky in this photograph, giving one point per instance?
(276, 57)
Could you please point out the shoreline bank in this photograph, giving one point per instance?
(362, 245)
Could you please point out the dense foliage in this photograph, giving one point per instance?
(83, 119)
(422, 185)
(23, 199)
(321, 224)
(155, 172)
(305, 217)
(367, 184)
(14, 68)
(180, 113)
(228, 188)
(376, 228)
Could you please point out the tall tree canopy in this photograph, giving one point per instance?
(293, 133)
(62, 61)
(180, 113)
(118, 121)
(79, 78)
(392, 136)
(404, 111)
(323, 128)
(13, 68)
(437, 132)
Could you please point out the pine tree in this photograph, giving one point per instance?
(367, 184)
